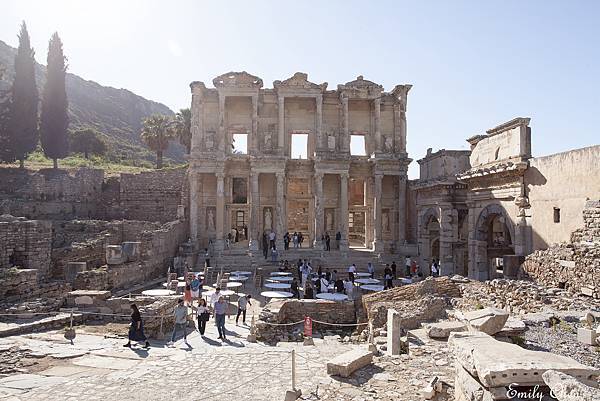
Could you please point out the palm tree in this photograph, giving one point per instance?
(158, 130)
(183, 128)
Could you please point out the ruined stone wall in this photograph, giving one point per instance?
(563, 181)
(152, 196)
(18, 285)
(574, 266)
(25, 243)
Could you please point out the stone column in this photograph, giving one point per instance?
(401, 211)
(253, 142)
(220, 220)
(281, 124)
(400, 145)
(402, 129)
(253, 233)
(221, 134)
(370, 210)
(194, 197)
(318, 224)
(344, 211)
(196, 128)
(345, 129)
(446, 240)
(377, 238)
(280, 209)
(377, 120)
(319, 122)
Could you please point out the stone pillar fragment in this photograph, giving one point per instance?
(378, 245)
(221, 134)
(319, 122)
(194, 196)
(344, 211)
(394, 332)
(369, 216)
(280, 209)
(254, 212)
(318, 223)
(377, 121)
(345, 127)
(401, 210)
(253, 140)
(281, 124)
(220, 220)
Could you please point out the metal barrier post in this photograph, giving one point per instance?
(294, 369)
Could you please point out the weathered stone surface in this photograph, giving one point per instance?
(497, 363)
(443, 329)
(344, 364)
(487, 320)
(567, 388)
(586, 335)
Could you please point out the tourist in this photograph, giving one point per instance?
(349, 288)
(272, 239)
(265, 246)
(286, 265)
(295, 289)
(214, 298)
(245, 228)
(338, 238)
(136, 329)
(228, 240)
(305, 274)
(295, 240)
(237, 234)
(324, 284)
(371, 270)
(243, 303)
(408, 263)
(320, 271)
(327, 242)
(273, 255)
(187, 294)
(300, 239)
(286, 241)
(309, 292)
(387, 277)
(203, 314)
(328, 275)
(299, 268)
(394, 268)
(434, 268)
(195, 287)
(351, 271)
(334, 275)
(220, 311)
(339, 285)
(414, 268)
(181, 314)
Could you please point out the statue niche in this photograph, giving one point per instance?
(268, 219)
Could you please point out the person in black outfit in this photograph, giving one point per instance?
(265, 246)
(338, 238)
(394, 267)
(295, 289)
(387, 278)
(203, 315)
(309, 292)
(320, 272)
(136, 329)
(245, 232)
(286, 241)
(339, 285)
(327, 242)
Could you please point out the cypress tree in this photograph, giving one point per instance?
(55, 119)
(21, 111)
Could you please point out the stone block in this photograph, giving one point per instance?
(587, 291)
(72, 268)
(114, 255)
(567, 263)
(443, 329)
(512, 327)
(568, 388)
(345, 364)
(586, 335)
(394, 332)
(84, 300)
(131, 250)
(497, 364)
(487, 320)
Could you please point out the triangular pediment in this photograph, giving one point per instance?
(362, 84)
(299, 81)
(237, 80)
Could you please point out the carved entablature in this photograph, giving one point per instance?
(400, 92)
(299, 83)
(237, 80)
(360, 88)
(198, 87)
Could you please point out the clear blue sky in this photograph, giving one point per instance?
(473, 64)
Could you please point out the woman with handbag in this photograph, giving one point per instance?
(136, 329)
(203, 315)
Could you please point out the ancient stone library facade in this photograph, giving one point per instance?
(351, 179)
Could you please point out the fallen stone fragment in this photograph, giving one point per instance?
(567, 388)
(488, 320)
(343, 365)
(443, 329)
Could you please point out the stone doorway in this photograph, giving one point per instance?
(357, 229)
(298, 220)
(239, 223)
(494, 240)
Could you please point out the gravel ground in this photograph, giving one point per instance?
(562, 339)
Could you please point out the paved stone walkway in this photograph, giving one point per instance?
(98, 368)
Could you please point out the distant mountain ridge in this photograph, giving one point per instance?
(117, 113)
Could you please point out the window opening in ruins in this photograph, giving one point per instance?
(240, 220)
(357, 192)
(239, 144)
(357, 145)
(299, 146)
(240, 190)
(556, 215)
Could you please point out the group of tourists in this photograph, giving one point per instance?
(297, 238)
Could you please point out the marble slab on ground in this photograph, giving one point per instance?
(29, 381)
(105, 362)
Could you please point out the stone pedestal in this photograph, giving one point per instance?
(114, 255)
(72, 268)
(586, 336)
(394, 332)
(131, 250)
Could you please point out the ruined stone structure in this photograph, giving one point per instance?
(267, 187)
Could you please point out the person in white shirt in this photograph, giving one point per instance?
(351, 271)
(434, 269)
(371, 269)
(324, 285)
(408, 263)
(349, 288)
(214, 298)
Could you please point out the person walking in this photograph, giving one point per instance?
(349, 288)
(407, 264)
(434, 269)
(272, 237)
(136, 329)
(203, 314)
(243, 303)
(187, 294)
(324, 284)
(274, 255)
(265, 246)
(300, 239)
(351, 271)
(295, 240)
(371, 270)
(214, 298)
(220, 311)
(295, 289)
(206, 258)
(286, 241)
(309, 293)
(195, 287)
(387, 278)
(338, 238)
(394, 268)
(327, 242)
(181, 314)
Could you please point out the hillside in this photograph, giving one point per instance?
(117, 113)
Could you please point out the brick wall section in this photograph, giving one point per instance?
(575, 265)
(26, 244)
(152, 196)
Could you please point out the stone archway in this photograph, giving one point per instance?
(494, 238)
(429, 238)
